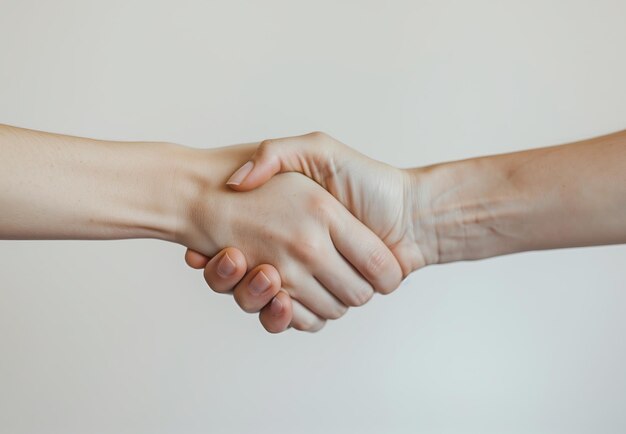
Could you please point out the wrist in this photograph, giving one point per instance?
(193, 180)
(168, 189)
(467, 210)
(202, 197)
(422, 186)
(126, 190)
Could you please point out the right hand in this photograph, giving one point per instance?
(328, 259)
(383, 197)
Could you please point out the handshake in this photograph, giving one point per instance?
(301, 248)
(311, 244)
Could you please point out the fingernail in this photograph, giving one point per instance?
(259, 284)
(241, 173)
(226, 267)
(276, 307)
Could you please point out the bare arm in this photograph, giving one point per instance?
(62, 187)
(562, 196)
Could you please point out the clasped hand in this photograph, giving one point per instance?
(306, 249)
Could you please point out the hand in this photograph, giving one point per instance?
(315, 243)
(225, 275)
(379, 195)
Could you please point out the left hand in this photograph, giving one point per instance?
(379, 195)
(262, 230)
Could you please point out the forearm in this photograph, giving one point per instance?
(563, 196)
(60, 187)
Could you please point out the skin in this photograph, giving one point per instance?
(324, 259)
(562, 196)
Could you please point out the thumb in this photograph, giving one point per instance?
(307, 154)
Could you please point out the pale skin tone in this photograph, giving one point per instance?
(329, 249)
(324, 259)
(563, 196)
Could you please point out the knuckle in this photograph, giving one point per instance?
(267, 146)
(318, 135)
(325, 212)
(318, 326)
(360, 297)
(303, 324)
(325, 144)
(377, 262)
(321, 206)
(308, 323)
(337, 312)
(306, 248)
(388, 288)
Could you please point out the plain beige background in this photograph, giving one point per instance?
(120, 337)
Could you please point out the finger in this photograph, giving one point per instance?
(225, 270)
(366, 252)
(277, 314)
(307, 154)
(196, 259)
(341, 279)
(257, 288)
(312, 295)
(305, 320)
